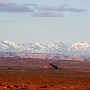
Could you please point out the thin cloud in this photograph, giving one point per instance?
(37, 11)
(15, 8)
(8, 21)
(28, 4)
(6, 6)
(5, 1)
(75, 9)
(60, 8)
(47, 14)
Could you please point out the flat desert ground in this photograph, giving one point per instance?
(37, 74)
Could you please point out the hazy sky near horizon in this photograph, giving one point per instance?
(45, 21)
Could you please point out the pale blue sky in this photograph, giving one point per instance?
(45, 21)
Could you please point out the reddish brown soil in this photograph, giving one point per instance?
(15, 77)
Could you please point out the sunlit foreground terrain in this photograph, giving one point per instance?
(30, 74)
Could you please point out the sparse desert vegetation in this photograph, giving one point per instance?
(40, 78)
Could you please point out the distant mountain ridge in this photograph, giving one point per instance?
(78, 48)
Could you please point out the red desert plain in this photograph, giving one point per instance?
(38, 74)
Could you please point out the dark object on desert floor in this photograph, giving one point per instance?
(16, 86)
(43, 87)
(8, 86)
(55, 67)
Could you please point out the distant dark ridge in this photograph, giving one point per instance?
(45, 56)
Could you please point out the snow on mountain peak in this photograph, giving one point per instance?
(79, 48)
(39, 45)
(9, 42)
(81, 45)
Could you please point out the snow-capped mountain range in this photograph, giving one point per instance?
(79, 48)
